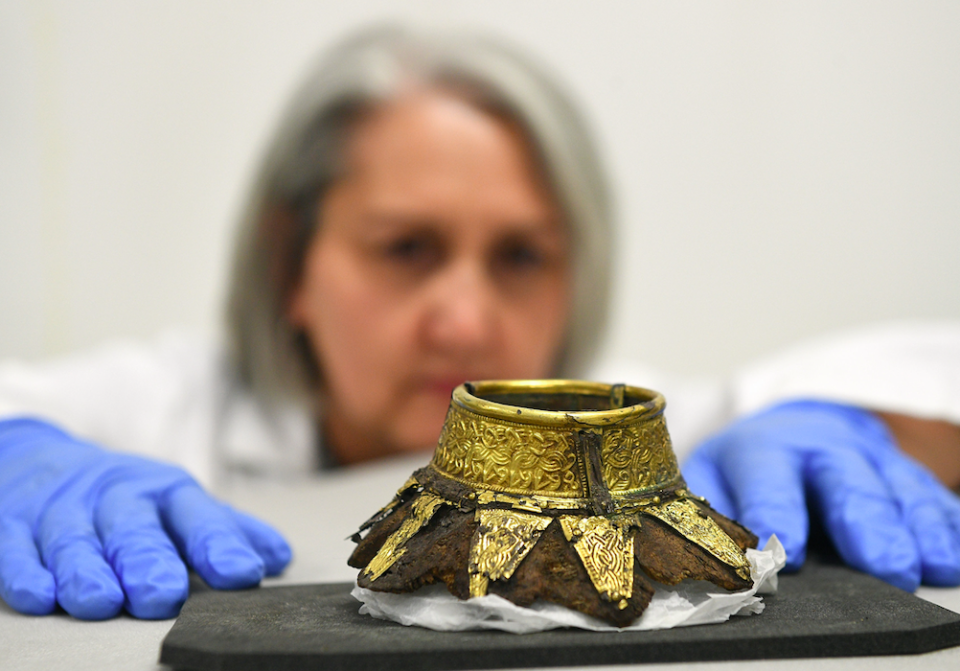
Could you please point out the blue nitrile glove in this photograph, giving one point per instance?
(98, 531)
(886, 514)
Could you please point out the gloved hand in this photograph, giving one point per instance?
(97, 531)
(886, 514)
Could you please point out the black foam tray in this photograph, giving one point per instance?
(823, 611)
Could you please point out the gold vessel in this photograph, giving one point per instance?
(561, 490)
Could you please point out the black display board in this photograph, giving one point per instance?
(825, 610)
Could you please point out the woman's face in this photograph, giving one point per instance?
(440, 257)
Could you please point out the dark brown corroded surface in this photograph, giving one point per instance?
(438, 553)
(668, 558)
(739, 533)
(368, 547)
(553, 572)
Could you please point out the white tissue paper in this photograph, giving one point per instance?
(688, 603)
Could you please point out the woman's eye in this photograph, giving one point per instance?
(416, 250)
(522, 257)
(406, 248)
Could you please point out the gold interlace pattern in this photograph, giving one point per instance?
(503, 539)
(606, 550)
(638, 457)
(507, 456)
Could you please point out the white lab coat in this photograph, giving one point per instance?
(178, 398)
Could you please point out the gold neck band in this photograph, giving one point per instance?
(558, 440)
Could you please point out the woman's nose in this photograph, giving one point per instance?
(462, 309)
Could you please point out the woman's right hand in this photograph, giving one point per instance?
(886, 514)
(96, 531)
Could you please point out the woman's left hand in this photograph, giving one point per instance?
(886, 514)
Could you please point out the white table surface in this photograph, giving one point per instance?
(317, 515)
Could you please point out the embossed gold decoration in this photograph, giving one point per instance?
(606, 550)
(552, 464)
(503, 539)
(421, 512)
(639, 457)
(529, 502)
(684, 516)
(507, 456)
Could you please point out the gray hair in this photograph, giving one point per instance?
(305, 157)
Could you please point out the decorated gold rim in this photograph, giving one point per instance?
(619, 455)
(475, 397)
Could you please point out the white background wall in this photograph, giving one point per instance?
(783, 169)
